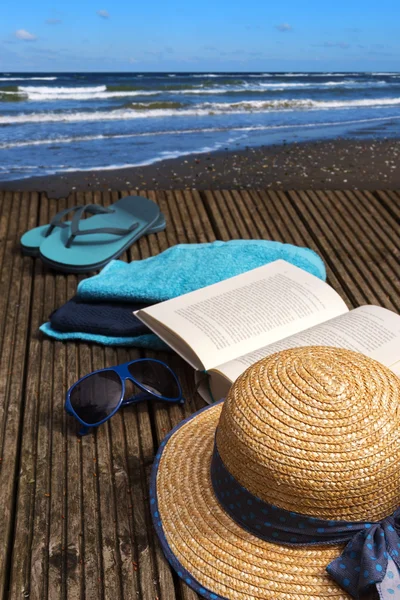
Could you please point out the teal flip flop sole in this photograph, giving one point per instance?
(86, 268)
(31, 240)
(100, 238)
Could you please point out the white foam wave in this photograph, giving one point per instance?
(208, 75)
(60, 91)
(28, 78)
(204, 109)
(314, 74)
(89, 96)
(281, 86)
(342, 82)
(376, 102)
(262, 105)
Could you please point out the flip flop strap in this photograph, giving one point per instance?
(90, 208)
(75, 231)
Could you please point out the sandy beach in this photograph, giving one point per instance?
(338, 164)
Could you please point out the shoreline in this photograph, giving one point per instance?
(335, 164)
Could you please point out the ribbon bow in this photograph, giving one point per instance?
(371, 558)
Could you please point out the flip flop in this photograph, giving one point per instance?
(89, 244)
(32, 239)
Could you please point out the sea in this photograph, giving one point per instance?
(62, 122)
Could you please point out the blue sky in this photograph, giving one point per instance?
(202, 35)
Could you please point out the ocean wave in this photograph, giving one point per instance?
(28, 78)
(154, 105)
(92, 138)
(260, 105)
(376, 102)
(203, 109)
(123, 87)
(111, 136)
(242, 129)
(209, 75)
(315, 74)
(342, 82)
(233, 86)
(58, 91)
(261, 88)
(100, 92)
(91, 96)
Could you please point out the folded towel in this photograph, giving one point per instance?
(188, 267)
(112, 319)
(178, 270)
(148, 341)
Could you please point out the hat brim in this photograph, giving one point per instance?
(215, 556)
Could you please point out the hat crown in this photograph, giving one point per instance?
(316, 430)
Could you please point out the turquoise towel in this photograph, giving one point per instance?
(179, 270)
(149, 341)
(188, 267)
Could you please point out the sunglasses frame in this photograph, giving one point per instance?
(123, 373)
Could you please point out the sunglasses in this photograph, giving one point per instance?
(96, 397)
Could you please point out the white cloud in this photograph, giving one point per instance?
(53, 21)
(104, 14)
(284, 27)
(22, 34)
(132, 61)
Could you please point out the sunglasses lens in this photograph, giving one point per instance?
(156, 378)
(95, 397)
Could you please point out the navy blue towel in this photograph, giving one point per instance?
(112, 319)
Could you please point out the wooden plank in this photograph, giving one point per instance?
(220, 217)
(162, 577)
(25, 499)
(328, 237)
(91, 559)
(376, 232)
(106, 515)
(38, 587)
(124, 500)
(15, 292)
(363, 277)
(374, 209)
(390, 200)
(103, 472)
(57, 447)
(271, 215)
(190, 224)
(74, 573)
(198, 214)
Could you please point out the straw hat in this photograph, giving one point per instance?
(312, 430)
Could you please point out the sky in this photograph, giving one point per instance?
(200, 35)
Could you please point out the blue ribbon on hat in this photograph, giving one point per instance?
(371, 558)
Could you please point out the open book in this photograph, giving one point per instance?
(224, 328)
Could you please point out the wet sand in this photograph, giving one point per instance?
(338, 164)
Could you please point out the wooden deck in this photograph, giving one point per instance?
(74, 518)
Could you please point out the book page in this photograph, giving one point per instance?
(371, 330)
(238, 315)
